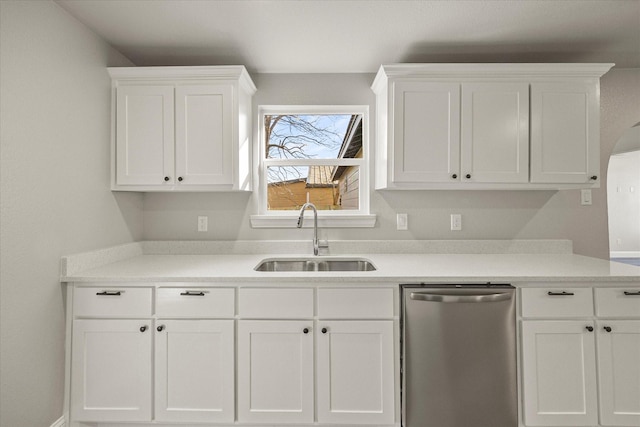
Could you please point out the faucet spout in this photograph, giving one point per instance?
(316, 245)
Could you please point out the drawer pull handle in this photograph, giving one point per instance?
(160, 328)
(143, 328)
(560, 294)
(607, 328)
(193, 294)
(110, 293)
(630, 294)
(590, 328)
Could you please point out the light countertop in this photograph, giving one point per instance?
(132, 264)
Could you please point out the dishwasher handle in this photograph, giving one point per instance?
(425, 296)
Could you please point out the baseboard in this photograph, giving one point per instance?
(60, 422)
(624, 254)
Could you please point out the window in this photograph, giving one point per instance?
(315, 154)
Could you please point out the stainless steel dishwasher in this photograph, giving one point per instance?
(459, 356)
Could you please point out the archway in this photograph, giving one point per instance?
(623, 198)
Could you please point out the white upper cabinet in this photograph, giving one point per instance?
(495, 132)
(472, 126)
(427, 131)
(144, 134)
(181, 128)
(565, 132)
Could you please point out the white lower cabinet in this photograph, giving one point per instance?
(559, 373)
(111, 370)
(169, 355)
(355, 372)
(581, 372)
(275, 371)
(194, 370)
(619, 372)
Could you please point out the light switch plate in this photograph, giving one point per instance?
(585, 197)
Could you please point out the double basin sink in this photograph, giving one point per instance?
(314, 264)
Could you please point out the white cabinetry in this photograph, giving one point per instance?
(275, 371)
(426, 131)
(468, 126)
(495, 132)
(355, 372)
(619, 372)
(560, 335)
(220, 355)
(559, 371)
(181, 128)
(194, 354)
(565, 132)
(349, 375)
(117, 341)
(111, 370)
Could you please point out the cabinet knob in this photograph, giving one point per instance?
(454, 176)
(143, 328)
(590, 328)
(180, 178)
(166, 178)
(594, 177)
(305, 330)
(468, 176)
(160, 328)
(324, 330)
(607, 328)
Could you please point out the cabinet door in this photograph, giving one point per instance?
(275, 371)
(355, 372)
(195, 370)
(111, 370)
(495, 132)
(565, 132)
(144, 135)
(426, 132)
(204, 134)
(619, 370)
(559, 373)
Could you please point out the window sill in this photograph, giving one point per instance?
(324, 221)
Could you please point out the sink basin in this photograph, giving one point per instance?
(315, 264)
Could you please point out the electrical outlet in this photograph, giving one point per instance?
(402, 221)
(585, 197)
(456, 222)
(203, 223)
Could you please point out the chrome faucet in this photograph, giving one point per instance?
(316, 243)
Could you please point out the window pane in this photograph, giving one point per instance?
(313, 136)
(327, 187)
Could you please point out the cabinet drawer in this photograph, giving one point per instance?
(557, 302)
(195, 302)
(112, 301)
(289, 303)
(618, 302)
(355, 303)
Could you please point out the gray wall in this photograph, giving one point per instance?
(486, 214)
(55, 198)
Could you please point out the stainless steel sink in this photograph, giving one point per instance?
(315, 264)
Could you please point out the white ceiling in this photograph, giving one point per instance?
(275, 36)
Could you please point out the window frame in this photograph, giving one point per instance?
(326, 218)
